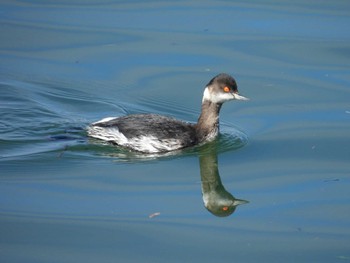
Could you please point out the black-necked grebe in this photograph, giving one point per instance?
(152, 133)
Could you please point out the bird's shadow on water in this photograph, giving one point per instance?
(216, 198)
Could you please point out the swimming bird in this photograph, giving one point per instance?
(154, 133)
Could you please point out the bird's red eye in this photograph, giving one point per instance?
(227, 89)
(225, 208)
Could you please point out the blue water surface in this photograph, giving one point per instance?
(67, 198)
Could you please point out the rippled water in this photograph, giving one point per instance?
(67, 198)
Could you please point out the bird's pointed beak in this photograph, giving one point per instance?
(239, 97)
(240, 202)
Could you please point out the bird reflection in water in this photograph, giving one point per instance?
(216, 198)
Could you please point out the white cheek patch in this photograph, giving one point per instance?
(217, 98)
(206, 94)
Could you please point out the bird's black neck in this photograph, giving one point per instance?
(208, 121)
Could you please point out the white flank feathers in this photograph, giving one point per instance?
(146, 144)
